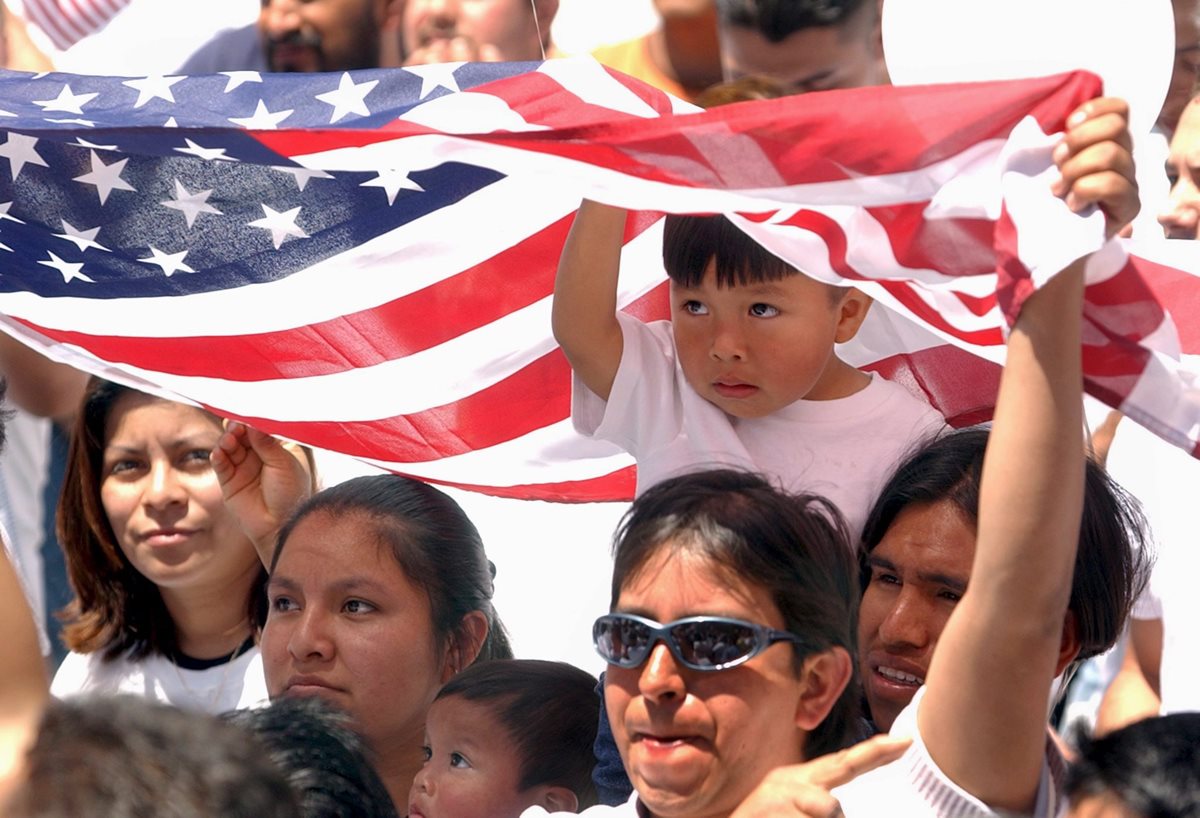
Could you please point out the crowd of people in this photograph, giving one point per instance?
(823, 600)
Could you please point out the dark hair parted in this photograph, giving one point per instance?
(1112, 563)
(777, 19)
(550, 710)
(432, 540)
(116, 610)
(325, 761)
(124, 755)
(794, 546)
(1151, 767)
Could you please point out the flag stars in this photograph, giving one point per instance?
(170, 263)
(392, 181)
(82, 239)
(435, 75)
(149, 88)
(19, 150)
(239, 78)
(207, 154)
(67, 101)
(262, 119)
(302, 175)
(69, 270)
(4, 208)
(282, 225)
(83, 143)
(348, 98)
(106, 178)
(191, 205)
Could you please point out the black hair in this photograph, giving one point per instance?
(432, 540)
(1112, 563)
(324, 759)
(1151, 767)
(691, 242)
(777, 19)
(550, 710)
(128, 756)
(794, 546)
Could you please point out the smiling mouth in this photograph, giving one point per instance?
(899, 676)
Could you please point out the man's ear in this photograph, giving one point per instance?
(824, 677)
(1068, 649)
(464, 644)
(853, 307)
(554, 798)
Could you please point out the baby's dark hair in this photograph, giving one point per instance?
(550, 710)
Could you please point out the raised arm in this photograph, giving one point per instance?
(983, 717)
(584, 315)
(24, 689)
(262, 481)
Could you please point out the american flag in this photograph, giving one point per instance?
(66, 22)
(364, 261)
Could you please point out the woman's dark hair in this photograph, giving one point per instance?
(1150, 767)
(116, 610)
(324, 760)
(550, 710)
(794, 546)
(432, 540)
(1112, 563)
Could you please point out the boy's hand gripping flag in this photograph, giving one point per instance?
(364, 262)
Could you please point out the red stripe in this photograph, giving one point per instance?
(1179, 292)
(958, 384)
(835, 240)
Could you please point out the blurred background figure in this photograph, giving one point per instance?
(291, 35)
(808, 45)
(681, 55)
(1187, 63)
(477, 30)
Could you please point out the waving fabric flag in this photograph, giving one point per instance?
(364, 261)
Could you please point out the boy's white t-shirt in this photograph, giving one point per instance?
(843, 449)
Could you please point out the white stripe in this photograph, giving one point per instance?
(554, 453)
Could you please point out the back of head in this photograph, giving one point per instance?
(776, 19)
(324, 760)
(433, 541)
(129, 757)
(1150, 767)
(551, 711)
(793, 546)
(1112, 563)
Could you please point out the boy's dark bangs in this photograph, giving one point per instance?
(691, 242)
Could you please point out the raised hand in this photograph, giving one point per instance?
(1095, 158)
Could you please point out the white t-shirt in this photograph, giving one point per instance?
(914, 786)
(630, 809)
(843, 449)
(228, 686)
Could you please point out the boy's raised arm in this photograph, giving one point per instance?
(584, 315)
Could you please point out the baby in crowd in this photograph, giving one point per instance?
(506, 735)
(744, 375)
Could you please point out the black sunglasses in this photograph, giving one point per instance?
(696, 642)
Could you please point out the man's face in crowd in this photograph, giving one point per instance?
(1187, 63)
(321, 35)
(491, 30)
(848, 55)
(1182, 217)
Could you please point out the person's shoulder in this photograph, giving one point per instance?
(88, 673)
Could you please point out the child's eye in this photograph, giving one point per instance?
(695, 308)
(426, 753)
(763, 311)
(357, 606)
(459, 760)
